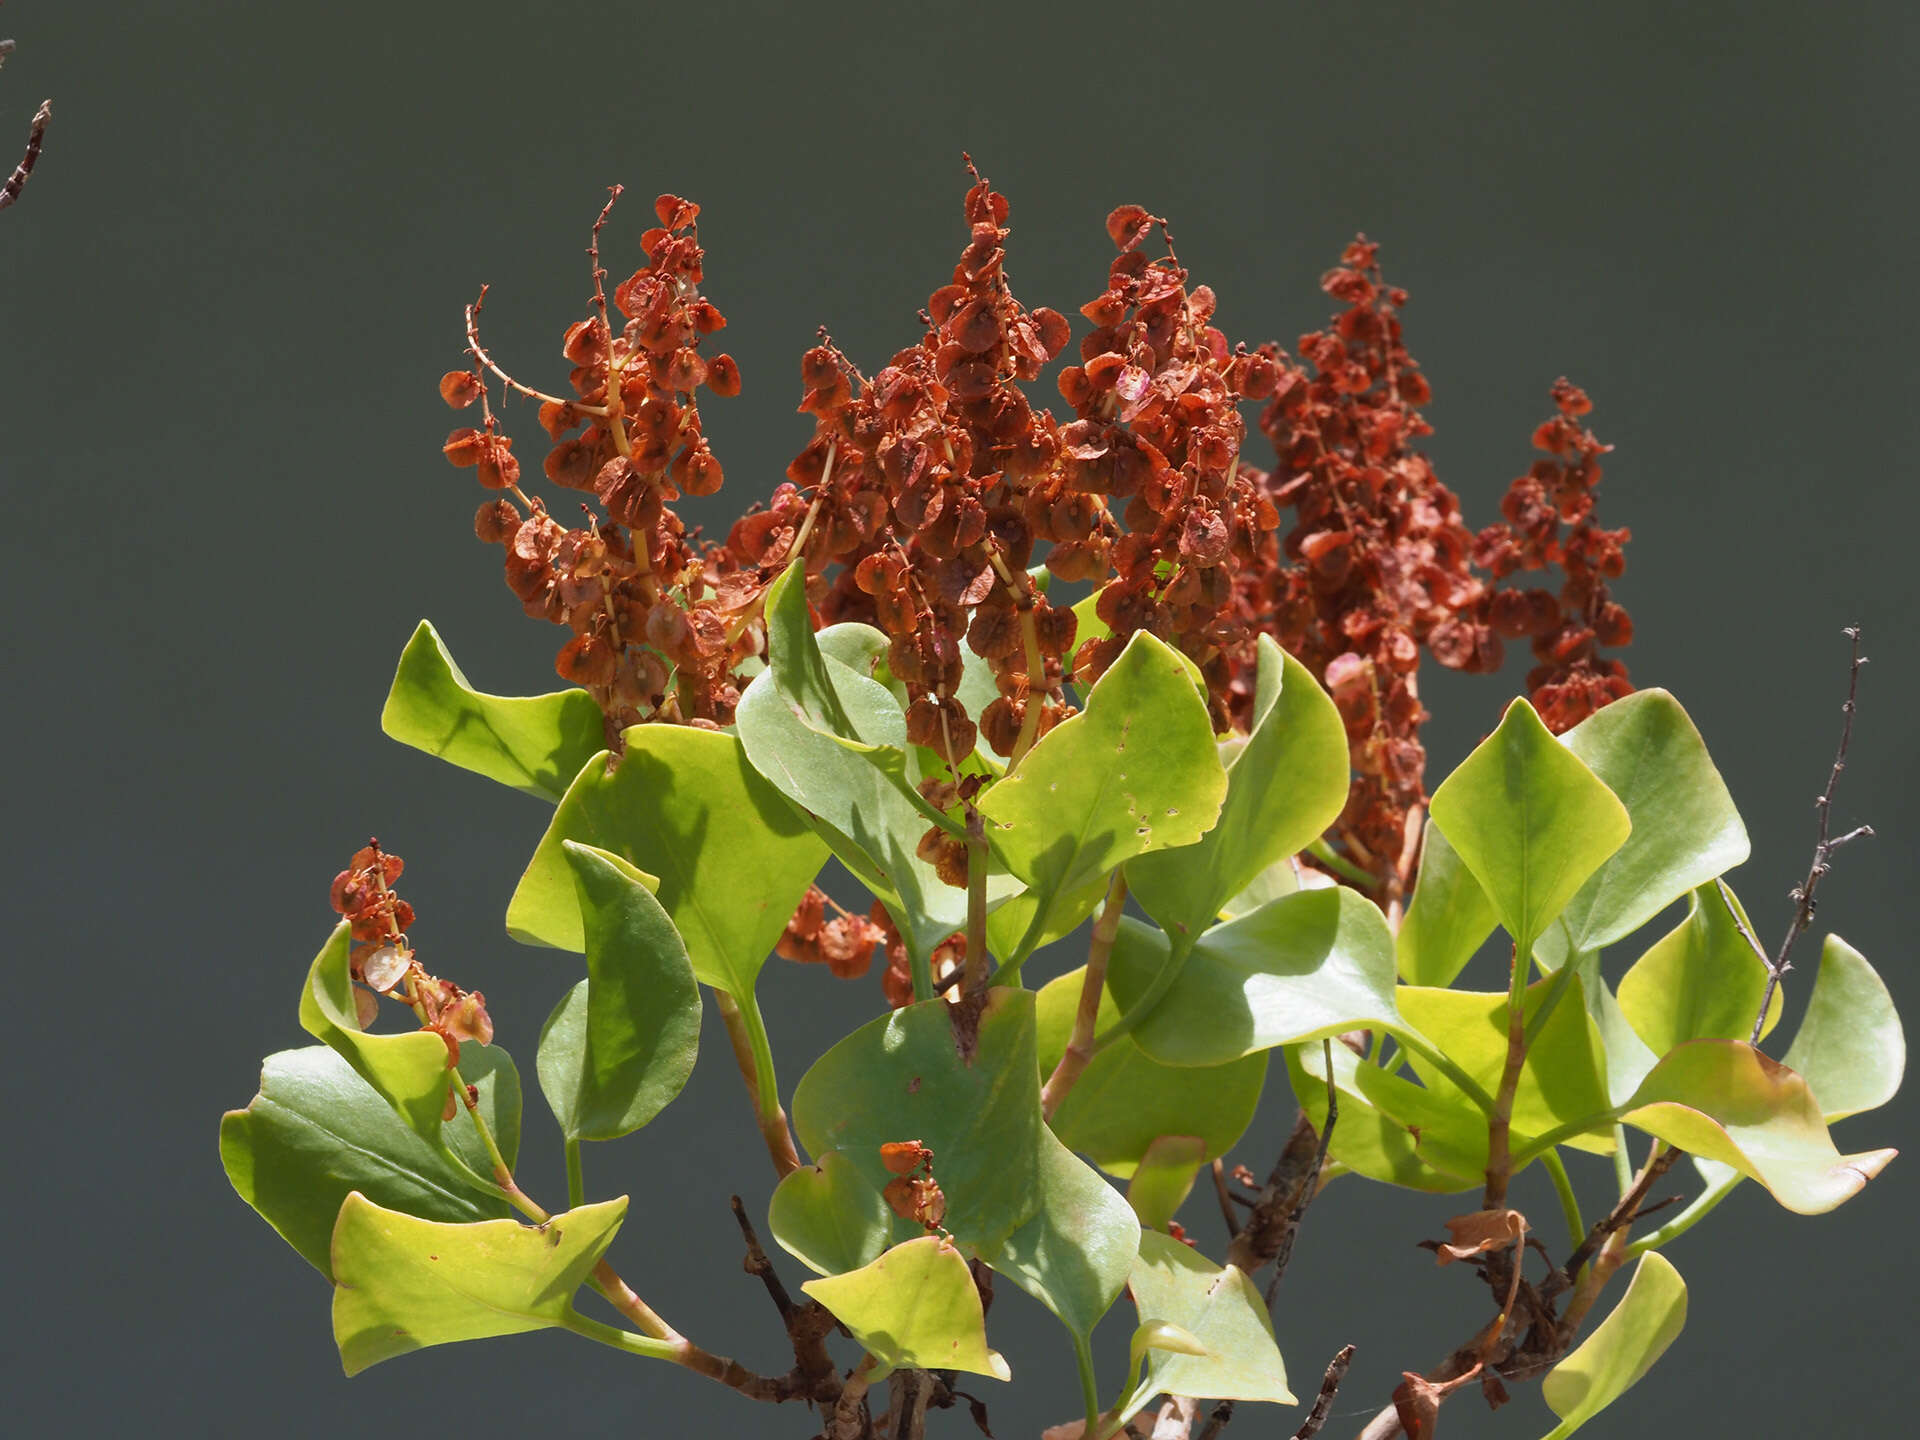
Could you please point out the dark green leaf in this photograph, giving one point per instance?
(1073, 1254)
(1123, 1102)
(621, 1044)
(317, 1132)
(1310, 964)
(1164, 1178)
(829, 1216)
(900, 1078)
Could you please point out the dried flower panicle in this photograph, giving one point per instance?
(1158, 428)
(914, 478)
(1377, 565)
(1548, 523)
(926, 491)
(657, 626)
(384, 963)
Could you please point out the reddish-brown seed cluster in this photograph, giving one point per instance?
(844, 944)
(385, 964)
(926, 491)
(913, 1194)
(658, 628)
(1377, 564)
(910, 487)
(1549, 523)
(1158, 428)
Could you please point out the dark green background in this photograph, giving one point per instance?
(224, 302)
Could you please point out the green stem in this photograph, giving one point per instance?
(1341, 866)
(1418, 1044)
(1543, 1012)
(620, 1339)
(1622, 1162)
(576, 1185)
(502, 1172)
(1089, 1384)
(1500, 1121)
(976, 973)
(1703, 1205)
(1559, 1135)
(1155, 992)
(747, 1031)
(1569, 1202)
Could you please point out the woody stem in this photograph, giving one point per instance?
(1081, 1047)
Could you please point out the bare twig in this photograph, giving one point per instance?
(1622, 1215)
(1261, 1236)
(757, 1264)
(1284, 1254)
(1802, 894)
(1329, 1387)
(36, 136)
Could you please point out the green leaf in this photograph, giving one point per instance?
(831, 739)
(899, 1077)
(1137, 770)
(535, 744)
(1073, 1254)
(1612, 1359)
(1685, 827)
(1219, 1307)
(1850, 1048)
(1530, 821)
(1124, 1101)
(1164, 1178)
(830, 1218)
(1725, 1101)
(1701, 980)
(317, 1132)
(733, 858)
(408, 1071)
(915, 1306)
(402, 1283)
(1563, 1080)
(857, 810)
(861, 648)
(1310, 964)
(1438, 1158)
(1283, 877)
(1160, 1335)
(1285, 785)
(1447, 921)
(621, 1044)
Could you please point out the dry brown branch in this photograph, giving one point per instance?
(1802, 894)
(36, 137)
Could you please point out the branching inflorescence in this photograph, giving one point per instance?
(1019, 673)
